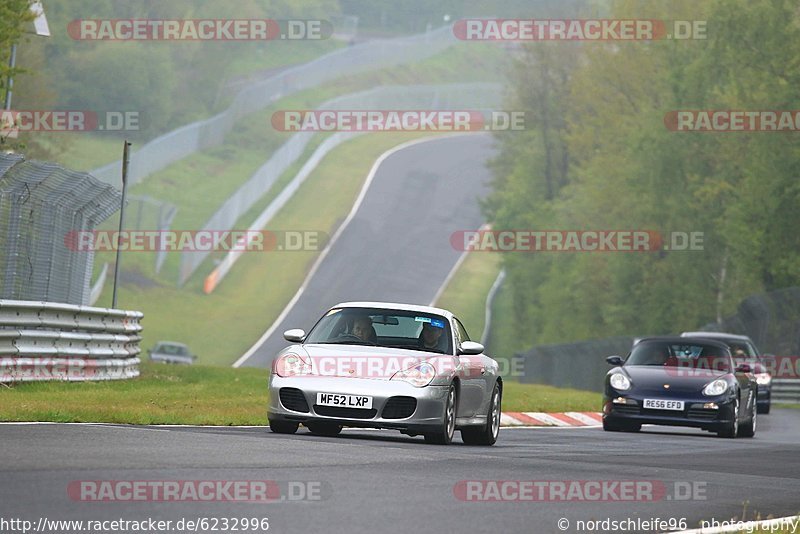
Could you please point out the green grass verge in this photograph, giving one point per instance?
(540, 398)
(465, 294)
(163, 394)
(205, 395)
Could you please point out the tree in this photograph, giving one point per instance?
(15, 15)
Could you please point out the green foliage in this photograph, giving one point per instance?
(168, 83)
(15, 16)
(598, 156)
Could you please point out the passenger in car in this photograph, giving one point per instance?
(430, 338)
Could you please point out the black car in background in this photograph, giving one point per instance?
(744, 350)
(680, 381)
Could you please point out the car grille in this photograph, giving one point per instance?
(703, 415)
(664, 413)
(626, 409)
(399, 407)
(293, 399)
(349, 413)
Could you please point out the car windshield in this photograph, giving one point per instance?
(176, 350)
(694, 355)
(383, 328)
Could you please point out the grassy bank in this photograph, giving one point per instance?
(205, 395)
(465, 294)
(221, 326)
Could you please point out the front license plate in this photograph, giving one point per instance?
(661, 404)
(344, 401)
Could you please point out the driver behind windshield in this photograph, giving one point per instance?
(362, 328)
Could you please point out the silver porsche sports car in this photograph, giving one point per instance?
(384, 365)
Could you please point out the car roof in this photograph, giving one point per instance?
(171, 343)
(682, 339)
(395, 306)
(717, 335)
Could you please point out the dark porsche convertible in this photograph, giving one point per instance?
(680, 381)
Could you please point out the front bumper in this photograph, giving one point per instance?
(696, 412)
(427, 415)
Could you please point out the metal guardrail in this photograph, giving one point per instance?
(186, 140)
(477, 96)
(54, 341)
(786, 390)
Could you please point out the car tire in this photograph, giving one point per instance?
(764, 408)
(444, 435)
(749, 430)
(730, 430)
(486, 434)
(283, 427)
(323, 429)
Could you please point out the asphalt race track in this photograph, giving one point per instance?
(381, 481)
(397, 247)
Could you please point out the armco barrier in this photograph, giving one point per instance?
(786, 390)
(186, 140)
(54, 341)
(476, 96)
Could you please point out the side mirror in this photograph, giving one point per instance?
(615, 361)
(470, 347)
(744, 368)
(295, 335)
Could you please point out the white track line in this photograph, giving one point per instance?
(372, 172)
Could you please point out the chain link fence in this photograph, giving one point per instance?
(771, 320)
(178, 144)
(467, 96)
(41, 204)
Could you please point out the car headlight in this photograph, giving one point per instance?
(291, 365)
(763, 379)
(418, 376)
(715, 388)
(620, 382)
